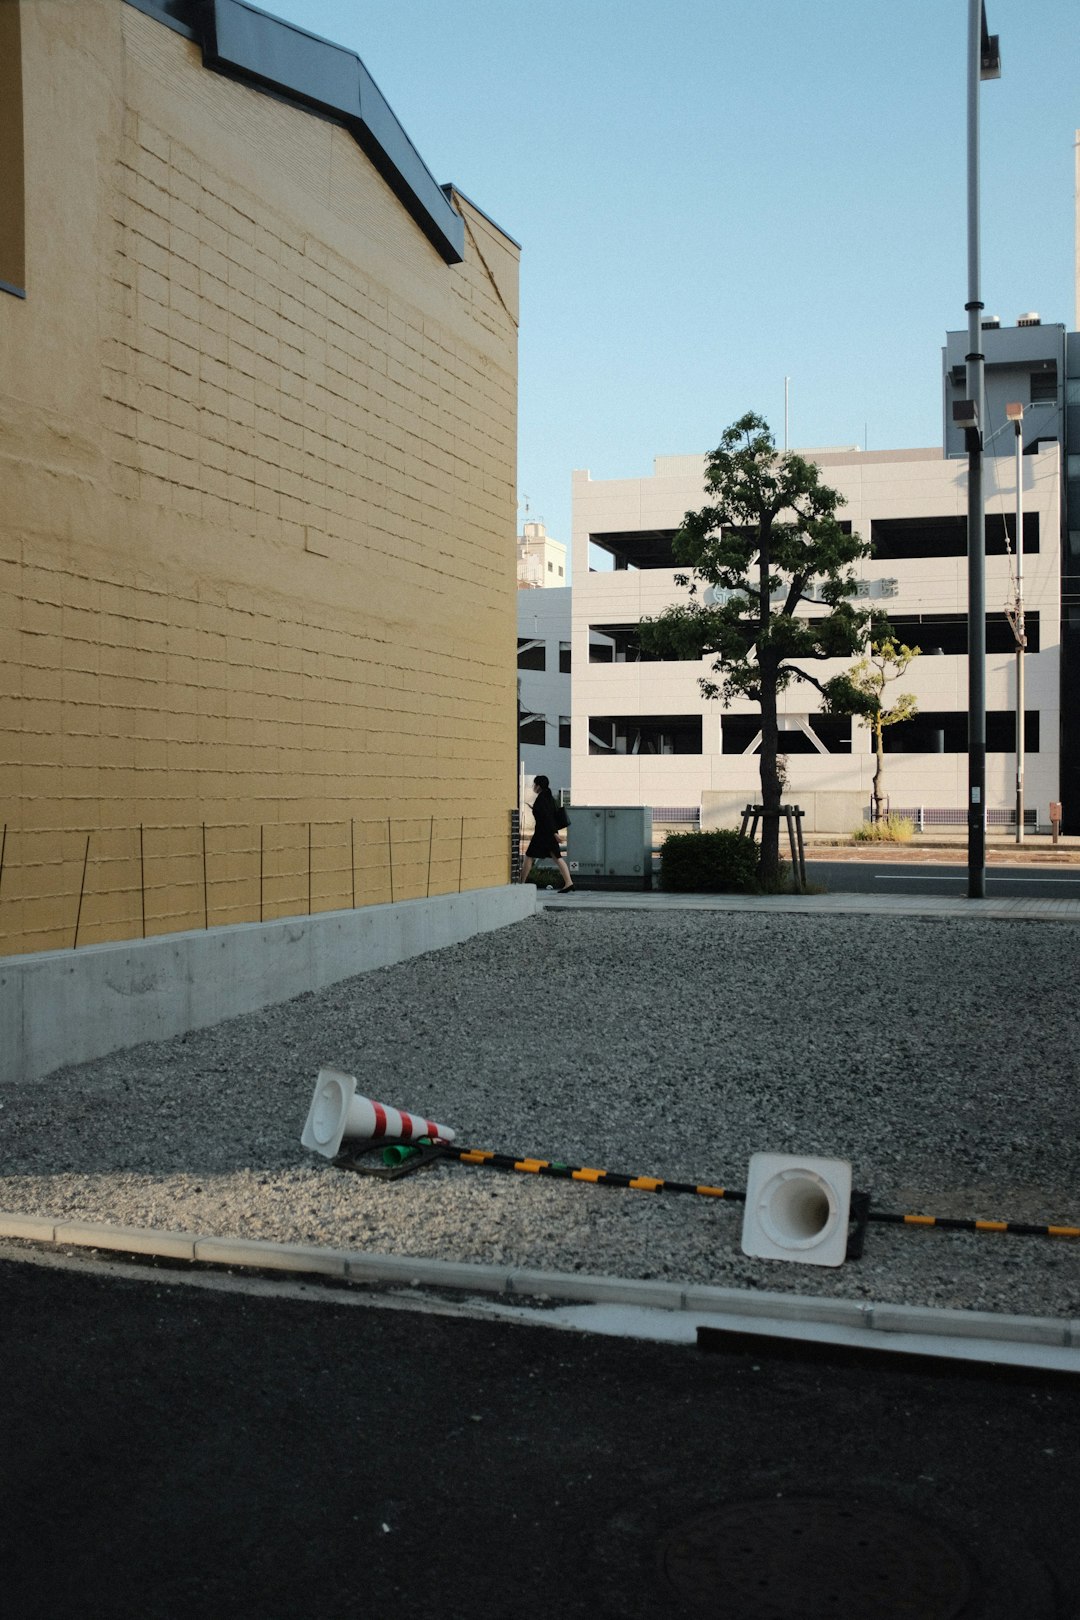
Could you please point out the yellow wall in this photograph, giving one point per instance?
(257, 449)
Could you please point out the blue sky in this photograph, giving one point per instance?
(712, 196)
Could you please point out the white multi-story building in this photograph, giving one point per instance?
(543, 659)
(544, 687)
(541, 559)
(643, 733)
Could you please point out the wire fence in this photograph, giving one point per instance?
(66, 887)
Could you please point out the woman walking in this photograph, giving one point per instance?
(544, 843)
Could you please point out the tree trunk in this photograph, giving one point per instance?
(879, 774)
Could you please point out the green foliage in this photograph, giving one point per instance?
(770, 533)
(781, 882)
(545, 877)
(861, 689)
(709, 863)
(894, 830)
(777, 565)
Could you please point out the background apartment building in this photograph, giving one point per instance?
(643, 733)
(1036, 366)
(541, 559)
(258, 443)
(543, 661)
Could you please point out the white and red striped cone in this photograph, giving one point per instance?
(338, 1110)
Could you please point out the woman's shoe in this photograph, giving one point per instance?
(570, 890)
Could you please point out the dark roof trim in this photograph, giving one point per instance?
(239, 40)
(483, 214)
(181, 16)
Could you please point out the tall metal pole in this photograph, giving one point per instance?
(976, 526)
(1018, 629)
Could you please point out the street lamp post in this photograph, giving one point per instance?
(1015, 414)
(984, 62)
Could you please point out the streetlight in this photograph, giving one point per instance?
(1015, 414)
(984, 62)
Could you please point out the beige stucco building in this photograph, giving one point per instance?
(257, 449)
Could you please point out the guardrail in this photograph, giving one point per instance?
(924, 817)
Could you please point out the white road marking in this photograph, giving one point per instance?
(913, 877)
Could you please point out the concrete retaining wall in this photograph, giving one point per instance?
(61, 1007)
(824, 811)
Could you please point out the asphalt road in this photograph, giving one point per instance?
(171, 1450)
(941, 878)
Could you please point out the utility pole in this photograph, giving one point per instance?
(1015, 414)
(984, 62)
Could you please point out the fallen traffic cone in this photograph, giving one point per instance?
(338, 1110)
(797, 1209)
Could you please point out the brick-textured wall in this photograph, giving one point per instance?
(256, 569)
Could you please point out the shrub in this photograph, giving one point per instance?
(895, 830)
(782, 883)
(709, 862)
(545, 877)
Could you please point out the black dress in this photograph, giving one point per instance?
(544, 843)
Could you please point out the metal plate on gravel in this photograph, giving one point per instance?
(818, 1558)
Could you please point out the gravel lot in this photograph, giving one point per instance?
(939, 1056)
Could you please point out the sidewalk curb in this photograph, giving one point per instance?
(969, 1335)
(841, 904)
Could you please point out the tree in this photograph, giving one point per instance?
(778, 562)
(861, 691)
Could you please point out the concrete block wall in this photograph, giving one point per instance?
(66, 1007)
(258, 455)
(824, 812)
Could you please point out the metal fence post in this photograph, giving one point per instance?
(82, 888)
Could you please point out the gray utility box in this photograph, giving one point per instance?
(606, 844)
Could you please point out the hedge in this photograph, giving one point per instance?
(709, 863)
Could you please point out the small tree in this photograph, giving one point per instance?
(861, 691)
(769, 534)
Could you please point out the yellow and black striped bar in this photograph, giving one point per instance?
(953, 1223)
(580, 1172)
(733, 1195)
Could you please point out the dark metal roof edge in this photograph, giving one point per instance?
(246, 43)
(450, 186)
(160, 12)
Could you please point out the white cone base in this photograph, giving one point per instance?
(797, 1209)
(338, 1111)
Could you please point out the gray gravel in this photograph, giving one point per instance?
(939, 1056)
